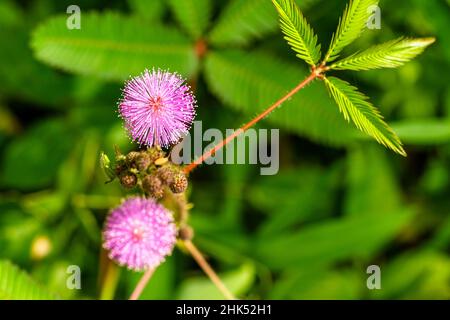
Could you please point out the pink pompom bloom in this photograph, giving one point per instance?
(158, 108)
(139, 234)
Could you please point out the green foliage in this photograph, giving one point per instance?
(193, 15)
(296, 196)
(16, 51)
(352, 104)
(104, 44)
(147, 10)
(422, 275)
(17, 285)
(355, 106)
(238, 281)
(424, 131)
(29, 163)
(391, 54)
(358, 237)
(308, 232)
(342, 285)
(297, 31)
(241, 21)
(351, 24)
(369, 178)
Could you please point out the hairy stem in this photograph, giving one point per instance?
(316, 73)
(197, 255)
(142, 284)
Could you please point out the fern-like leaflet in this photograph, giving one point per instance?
(297, 31)
(352, 23)
(355, 106)
(391, 54)
(352, 104)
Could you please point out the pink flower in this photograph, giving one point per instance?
(158, 108)
(139, 233)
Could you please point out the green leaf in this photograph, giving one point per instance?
(296, 196)
(355, 105)
(10, 14)
(18, 229)
(241, 21)
(32, 161)
(251, 82)
(193, 15)
(245, 20)
(45, 205)
(297, 31)
(148, 10)
(330, 242)
(237, 281)
(303, 284)
(370, 177)
(351, 24)
(17, 285)
(423, 131)
(16, 52)
(109, 46)
(391, 54)
(418, 274)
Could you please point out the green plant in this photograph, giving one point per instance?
(352, 104)
(340, 208)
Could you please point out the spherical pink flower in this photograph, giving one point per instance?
(139, 233)
(158, 108)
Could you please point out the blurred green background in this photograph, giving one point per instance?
(340, 202)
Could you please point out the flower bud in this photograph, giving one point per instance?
(132, 156)
(128, 180)
(186, 233)
(179, 183)
(166, 174)
(143, 161)
(153, 186)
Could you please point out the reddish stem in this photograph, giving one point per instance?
(201, 48)
(316, 72)
(201, 261)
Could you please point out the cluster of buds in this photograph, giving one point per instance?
(150, 170)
